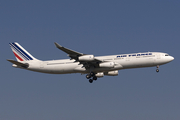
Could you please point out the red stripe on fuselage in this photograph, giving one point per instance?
(18, 56)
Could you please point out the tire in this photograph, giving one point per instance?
(92, 74)
(94, 78)
(90, 80)
(88, 76)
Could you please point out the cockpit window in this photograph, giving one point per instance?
(166, 55)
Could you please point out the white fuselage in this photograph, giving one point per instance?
(122, 61)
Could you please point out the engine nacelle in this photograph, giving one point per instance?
(107, 64)
(100, 75)
(111, 73)
(86, 58)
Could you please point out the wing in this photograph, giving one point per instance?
(86, 60)
(71, 53)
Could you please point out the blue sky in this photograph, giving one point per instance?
(100, 27)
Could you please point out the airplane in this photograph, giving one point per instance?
(93, 67)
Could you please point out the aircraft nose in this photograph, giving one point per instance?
(169, 58)
(172, 58)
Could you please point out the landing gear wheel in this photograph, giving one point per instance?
(92, 74)
(88, 76)
(94, 78)
(157, 70)
(90, 80)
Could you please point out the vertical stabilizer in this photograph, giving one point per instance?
(20, 53)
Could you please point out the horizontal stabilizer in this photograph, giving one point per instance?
(24, 65)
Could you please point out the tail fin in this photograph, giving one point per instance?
(20, 53)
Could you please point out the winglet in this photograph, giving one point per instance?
(57, 45)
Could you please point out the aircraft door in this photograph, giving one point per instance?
(158, 56)
(42, 65)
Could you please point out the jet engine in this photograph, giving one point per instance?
(86, 58)
(111, 73)
(100, 75)
(107, 64)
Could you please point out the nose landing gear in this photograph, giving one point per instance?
(157, 70)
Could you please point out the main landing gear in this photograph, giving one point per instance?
(91, 75)
(157, 70)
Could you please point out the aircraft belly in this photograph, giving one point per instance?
(104, 69)
(80, 68)
(54, 68)
(63, 69)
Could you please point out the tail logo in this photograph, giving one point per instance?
(20, 53)
(18, 56)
